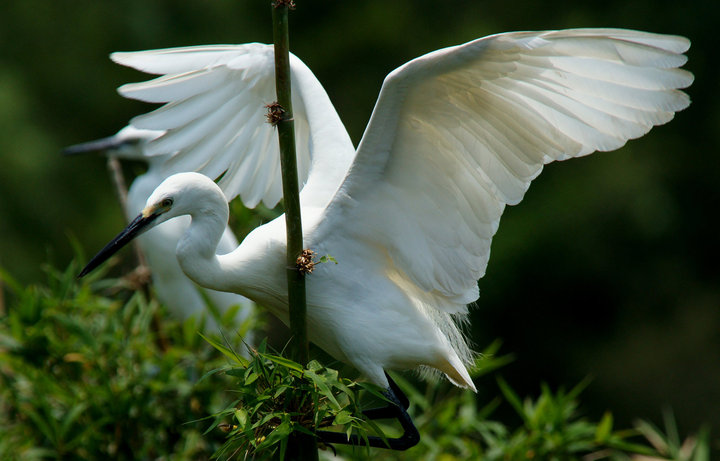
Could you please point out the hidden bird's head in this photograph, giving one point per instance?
(130, 143)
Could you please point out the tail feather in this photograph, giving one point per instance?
(457, 373)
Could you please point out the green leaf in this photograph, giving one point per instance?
(702, 446)
(45, 427)
(512, 398)
(673, 437)
(237, 372)
(632, 448)
(343, 417)
(654, 436)
(227, 352)
(230, 315)
(241, 415)
(281, 389)
(282, 361)
(212, 372)
(604, 428)
(323, 388)
(10, 281)
(327, 258)
(251, 378)
(373, 389)
(279, 433)
(70, 418)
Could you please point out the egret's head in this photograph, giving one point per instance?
(185, 193)
(129, 143)
(180, 194)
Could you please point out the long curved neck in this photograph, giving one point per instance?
(197, 250)
(255, 269)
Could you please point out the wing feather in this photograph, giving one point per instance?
(459, 133)
(214, 119)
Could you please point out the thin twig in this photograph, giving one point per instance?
(116, 175)
(2, 298)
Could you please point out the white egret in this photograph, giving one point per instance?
(173, 288)
(455, 136)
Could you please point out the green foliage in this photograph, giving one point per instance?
(454, 426)
(277, 397)
(670, 446)
(552, 429)
(85, 376)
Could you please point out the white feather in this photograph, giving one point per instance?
(215, 119)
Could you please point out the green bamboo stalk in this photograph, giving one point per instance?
(300, 446)
(291, 195)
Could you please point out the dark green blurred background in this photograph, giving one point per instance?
(608, 268)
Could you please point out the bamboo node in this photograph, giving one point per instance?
(304, 262)
(275, 114)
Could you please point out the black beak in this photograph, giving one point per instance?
(99, 145)
(135, 228)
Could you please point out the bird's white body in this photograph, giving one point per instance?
(397, 332)
(455, 136)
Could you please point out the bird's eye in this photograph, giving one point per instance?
(166, 203)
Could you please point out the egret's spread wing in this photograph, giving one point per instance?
(215, 116)
(459, 133)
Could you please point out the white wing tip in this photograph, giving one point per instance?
(118, 56)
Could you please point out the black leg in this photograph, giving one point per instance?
(400, 395)
(389, 411)
(397, 409)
